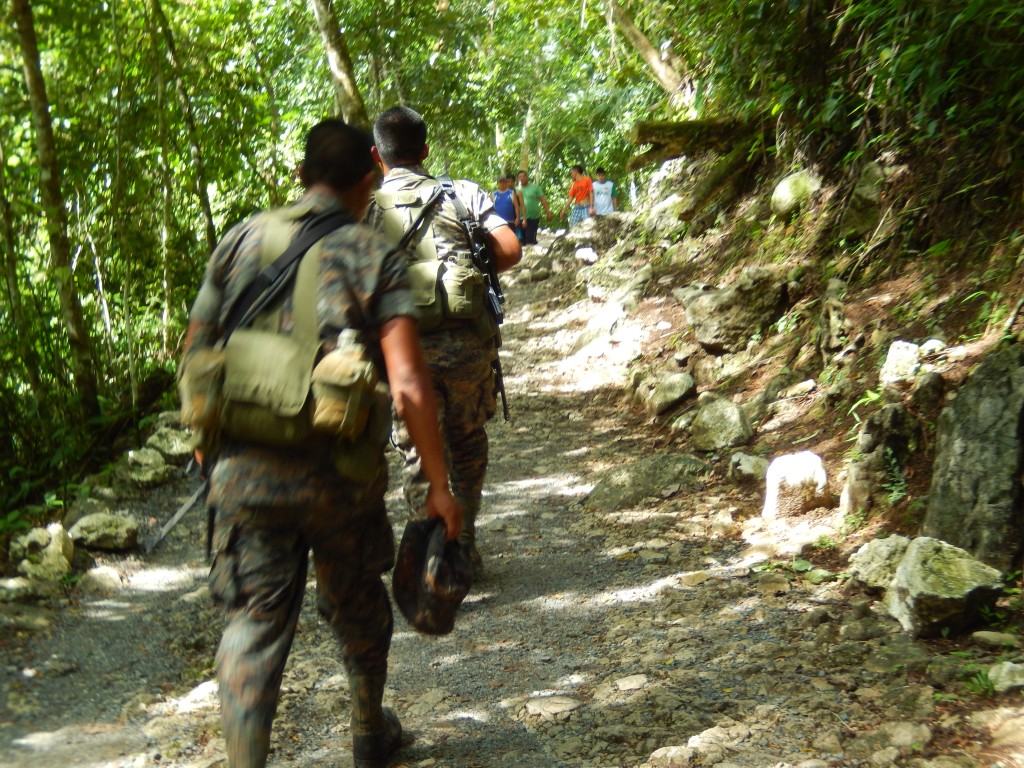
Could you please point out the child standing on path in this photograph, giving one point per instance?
(581, 196)
(606, 195)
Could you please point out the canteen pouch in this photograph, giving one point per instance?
(343, 385)
(359, 460)
(200, 380)
(424, 279)
(463, 292)
(266, 390)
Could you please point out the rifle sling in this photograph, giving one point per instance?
(276, 276)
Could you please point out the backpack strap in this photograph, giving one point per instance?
(449, 189)
(276, 276)
(426, 198)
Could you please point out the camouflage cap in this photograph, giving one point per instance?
(432, 577)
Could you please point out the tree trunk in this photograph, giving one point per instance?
(664, 73)
(166, 189)
(82, 359)
(720, 175)
(121, 227)
(674, 139)
(164, 28)
(524, 140)
(346, 91)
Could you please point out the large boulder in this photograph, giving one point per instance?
(719, 424)
(114, 533)
(874, 564)
(793, 192)
(864, 210)
(147, 467)
(665, 390)
(939, 587)
(634, 481)
(44, 554)
(975, 497)
(725, 319)
(930, 587)
(175, 445)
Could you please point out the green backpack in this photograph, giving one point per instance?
(263, 387)
(442, 291)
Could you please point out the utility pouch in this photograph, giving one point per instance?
(343, 387)
(462, 292)
(200, 379)
(425, 281)
(266, 391)
(360, 459)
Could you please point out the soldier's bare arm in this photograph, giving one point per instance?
(506, 248)
(411, 390)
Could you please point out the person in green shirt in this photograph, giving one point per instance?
(533, 199)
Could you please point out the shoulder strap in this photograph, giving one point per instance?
(449, 189)
(275, 277)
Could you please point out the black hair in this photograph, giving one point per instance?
(400, 135)
(579, 169)
(598, 170)
(337, 154)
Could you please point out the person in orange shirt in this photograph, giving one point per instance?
(581, 196)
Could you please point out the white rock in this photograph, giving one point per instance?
(901, 363)
(796, 482)
(631, 682)
(1006, 676)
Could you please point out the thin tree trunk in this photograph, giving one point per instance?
(166, 188)
(524, 139)
(346, 91)
(164, 28)
(664, 74)
(22, 337)
(120, 233)
(82, 358)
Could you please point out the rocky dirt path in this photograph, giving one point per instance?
(639, 637)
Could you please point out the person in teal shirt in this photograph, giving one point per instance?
(533, 199)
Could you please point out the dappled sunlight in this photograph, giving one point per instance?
(89, 745)
(164, 579)
(203, 697)
(109, 611)
(640, 516)
(539, 487)
(476, 715)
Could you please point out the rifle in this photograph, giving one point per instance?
(483, 258)
(192, 501)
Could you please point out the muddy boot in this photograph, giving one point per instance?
(376, 732)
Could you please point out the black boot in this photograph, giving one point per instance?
(376, 732)
(468, 536)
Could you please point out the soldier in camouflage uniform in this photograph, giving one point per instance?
(458, 354)
(273, 505)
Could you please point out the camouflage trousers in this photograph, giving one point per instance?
(460, 371)
(268, 518)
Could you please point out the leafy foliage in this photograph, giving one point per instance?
(145, 137)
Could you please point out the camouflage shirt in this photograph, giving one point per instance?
(449, 235)
(361, 287)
